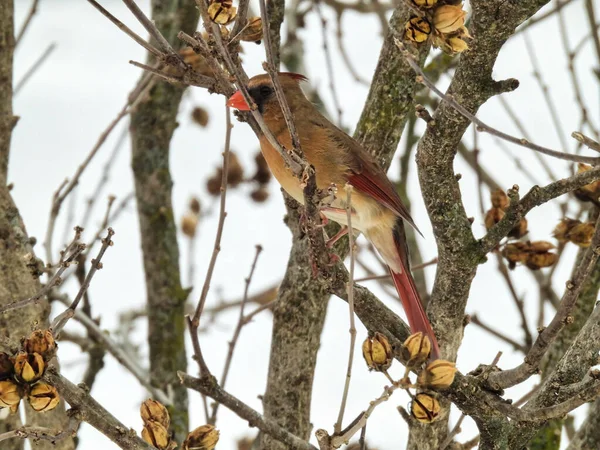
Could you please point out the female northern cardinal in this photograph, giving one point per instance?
(377, 211)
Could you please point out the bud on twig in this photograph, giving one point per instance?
(202, 438)
(377, 352)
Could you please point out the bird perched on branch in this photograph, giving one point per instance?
(377, 210)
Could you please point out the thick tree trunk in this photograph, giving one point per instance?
(19, 268)
(152, 126)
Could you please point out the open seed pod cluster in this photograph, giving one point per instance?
(235, 177)
(431, 375)
(20, 374)
(156, 430)
(442, 21)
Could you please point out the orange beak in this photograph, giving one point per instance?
(237, 101)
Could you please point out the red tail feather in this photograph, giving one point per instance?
(417, 319)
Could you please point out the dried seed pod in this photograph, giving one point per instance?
(561, 231)
(456, 45)
(29, 367)
(213, 184)
(416, 349)
(222, 11)
(519, 230)
(151, 410)
(581, 234)
(493, 216)
(537, 261)
(377, 352)
(589, 192)
(6, 366)
(196, 61)
(540, 246)
(200, 116)
(42, 342)
(417, 29)
(195, 206)
(235, 171)
(514, 253)
(202, 438)
(156, 434)
(9, 395)
(43, 397)
(259, 195)
(189, 224)
(253, 30)
(263, 174)
(424, 4)
(425, 408)
(449, 18)
(438, 374)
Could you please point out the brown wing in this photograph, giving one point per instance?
(366, 175)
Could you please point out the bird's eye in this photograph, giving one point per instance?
(265, 91)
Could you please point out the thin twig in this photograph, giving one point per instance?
(112, 347)
(127, 30)
(385, 277)
(46, 434)
(337, 428)
(34, 67)
(483, 127)
(194, 322)
(453, 433)
(69, 257)
(529, 366)
(96, 264)
(238, 329)
(61, 194)
(329, 64)
(26, 22)
(516, 345)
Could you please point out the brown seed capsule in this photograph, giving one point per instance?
(449, 18)
(189, 224)
(438, 374)
(202, 438)
(416, 349)
(425, 4)
(222, 12)
(519, 229)
(425, 408)
(42, 342)
(499, 199)
(493, 216)
(156, 411)
(417, 29)
(200, 116)
(537, 261)
(581, 234)
(263, 174)
(457, 45)
(259, 195)
(156, 434)
(561, 232)
(253, 30)
(29, 367)
(9, 394)
(540, 246)
(43, 397)
(213, 184)
(235, 171)
(377, 352)
(195, 206)
(195, 60)
(589, 192)
(6, 366)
